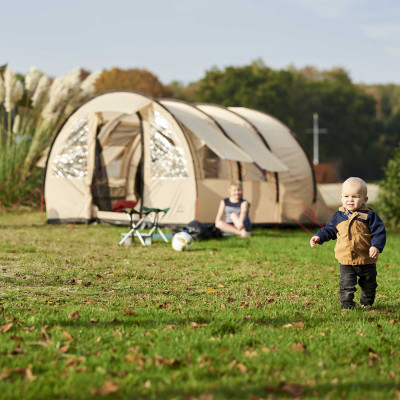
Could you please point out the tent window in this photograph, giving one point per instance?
(167, 158)
(71, 161)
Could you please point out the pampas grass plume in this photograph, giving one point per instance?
(16, 124)
(41, 90)
(9, 80)
(32, 80)
(86, 90)
(2, 90)
(61, 91)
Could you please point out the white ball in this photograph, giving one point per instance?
(182, 241)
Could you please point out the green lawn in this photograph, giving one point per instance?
(254, 318)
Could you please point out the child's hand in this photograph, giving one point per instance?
(314, 240)
(373, 252)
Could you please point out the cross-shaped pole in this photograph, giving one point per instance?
(316, 131)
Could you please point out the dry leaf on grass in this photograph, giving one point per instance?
(107, 388)
(196, 325)
(5, 328)
(207, 396)
(299, 347)
(242, 368)
(74, 315)
(68, 336)
(292, 389)
(296, 325)
(17, 351)
(64, 347)
(130, 312)
(171, 327)
(25, 372)
(72, 362)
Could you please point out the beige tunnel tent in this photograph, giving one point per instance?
(124, 145)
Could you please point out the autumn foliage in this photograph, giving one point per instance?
(134, 79)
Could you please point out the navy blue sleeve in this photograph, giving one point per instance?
(329, 231)
(378, 232)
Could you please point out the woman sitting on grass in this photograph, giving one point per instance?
(232, 215)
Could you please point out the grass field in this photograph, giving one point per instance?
(254, 318)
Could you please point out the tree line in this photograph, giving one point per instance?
(363, 121)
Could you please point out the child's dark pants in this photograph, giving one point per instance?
(347, 285)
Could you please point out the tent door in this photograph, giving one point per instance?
(117, 167)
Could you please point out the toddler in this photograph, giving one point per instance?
(361, 236)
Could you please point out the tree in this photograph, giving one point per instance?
(134, 79)
(355, 139)
(390, 191)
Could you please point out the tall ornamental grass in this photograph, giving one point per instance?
(31, 108)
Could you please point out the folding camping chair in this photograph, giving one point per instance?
(128, 206)
(155, 215)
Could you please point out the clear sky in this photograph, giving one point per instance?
(181, 39)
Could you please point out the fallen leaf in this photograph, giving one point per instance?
(292, 389)
(165, 305)
(5, 328)
(93, 320)
(5, 374)
(107, 388)
(17, 350)
(71, 362)
(250, 354)
(242, 368)
(147, 384)
(129, 312)
(196, 325)
(16, 338)
(64, 347)
(75, 315)
(28, 329)
(134, 358)
(87, 284)
(171, 327)
(208, 291)
(68, 336)
(207, 396)
(25, 372)
(28, 374)
(299, 347)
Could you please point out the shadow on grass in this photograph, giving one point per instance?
(246, 389)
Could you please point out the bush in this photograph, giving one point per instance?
(390, 191)
(31, 109)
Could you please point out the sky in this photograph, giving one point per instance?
(179, 40)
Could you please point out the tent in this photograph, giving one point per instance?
(124, 145)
